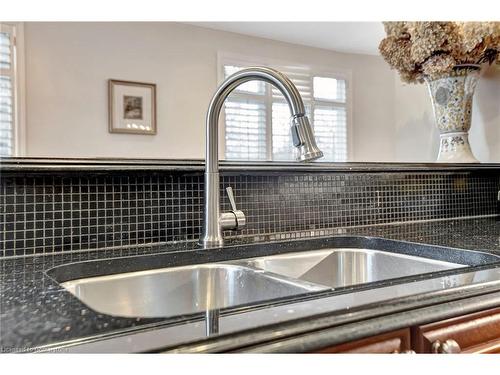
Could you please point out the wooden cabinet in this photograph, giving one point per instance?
(392, 342)
(473, 333)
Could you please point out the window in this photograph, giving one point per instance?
(7, 90)
(257, 117)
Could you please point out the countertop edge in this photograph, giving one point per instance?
(365, 328)
(111, 164)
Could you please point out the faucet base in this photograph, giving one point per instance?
(211, 243)
(211, 232)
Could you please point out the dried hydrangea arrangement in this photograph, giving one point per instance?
(432, 49)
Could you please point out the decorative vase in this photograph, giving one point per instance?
(452, 103)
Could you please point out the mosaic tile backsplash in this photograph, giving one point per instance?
(86, 211)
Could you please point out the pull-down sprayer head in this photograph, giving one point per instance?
(303, 139)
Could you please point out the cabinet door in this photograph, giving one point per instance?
(473, 333)
(392, 342)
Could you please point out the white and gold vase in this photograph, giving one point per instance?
(452, 103)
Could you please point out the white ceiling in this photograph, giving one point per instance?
(351, 37)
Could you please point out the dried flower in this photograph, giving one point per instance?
(431, 49)
(397, 52)
(474, 33)
(410, 77)
(431, 37)
(438, 65)
(396, 29)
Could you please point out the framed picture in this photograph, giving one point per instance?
(132, 107)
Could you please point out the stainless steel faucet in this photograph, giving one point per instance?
(302, 136)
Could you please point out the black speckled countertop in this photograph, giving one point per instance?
(36, 312)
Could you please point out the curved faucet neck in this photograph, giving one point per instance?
(280, 81)
(302, 135)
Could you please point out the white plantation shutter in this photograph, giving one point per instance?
(246, 125)
(245, 129)
(282, 138)
(330, 117)
(329, 89)
(258, 117)
(6, 90)
(330, 131)
(301, 78)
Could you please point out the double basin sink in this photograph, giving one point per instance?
(190, 289)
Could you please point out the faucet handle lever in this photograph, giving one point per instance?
(235, 219)
(230, 195)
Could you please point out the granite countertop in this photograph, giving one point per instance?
(36, 312)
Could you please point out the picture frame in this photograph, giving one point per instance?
(132, 107)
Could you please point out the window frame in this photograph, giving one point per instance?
(17, 75)
(225, 58)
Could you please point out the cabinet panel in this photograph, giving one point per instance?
(391, 342)
(473, 333)
(489, 347)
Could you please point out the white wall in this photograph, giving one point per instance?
(68, 65)
(416, 136)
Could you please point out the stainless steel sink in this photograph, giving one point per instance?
(182, 290)
(148, 287)
(344, 267)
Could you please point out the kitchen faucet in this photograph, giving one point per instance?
(302, 138)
